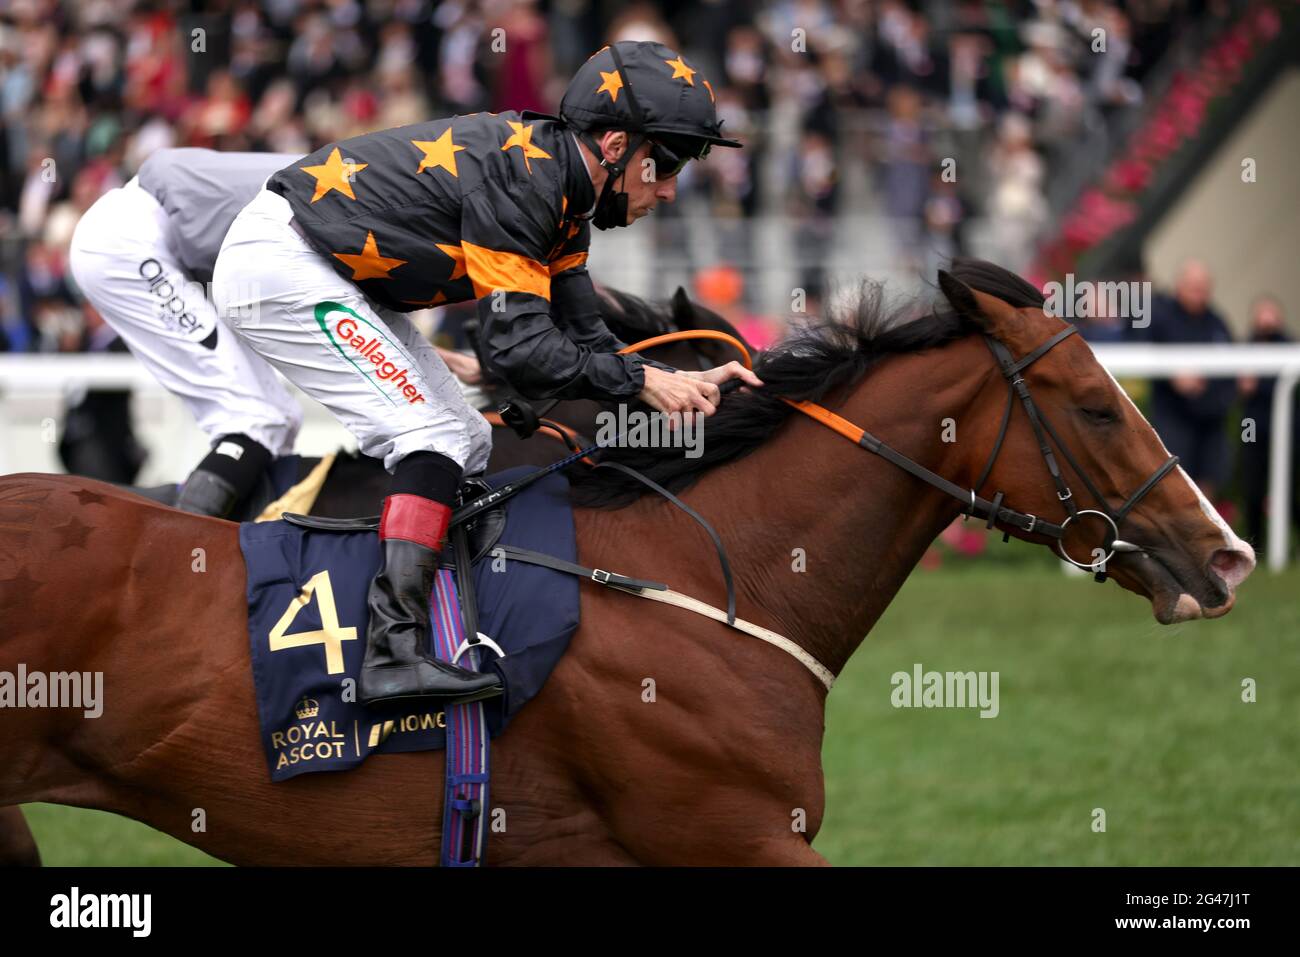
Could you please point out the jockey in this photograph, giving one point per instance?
(141, 255)
(317, 271)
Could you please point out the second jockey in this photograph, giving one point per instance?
(143, 255)
(317, 271)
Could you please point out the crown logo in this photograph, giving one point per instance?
(307, 708)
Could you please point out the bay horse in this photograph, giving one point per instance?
(727, 755)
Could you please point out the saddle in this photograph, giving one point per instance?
(483, 531)
(307, 581)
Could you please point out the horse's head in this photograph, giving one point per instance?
(1187, 561)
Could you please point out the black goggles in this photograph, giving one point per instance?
(671, 160)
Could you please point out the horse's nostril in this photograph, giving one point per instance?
(1232, 565)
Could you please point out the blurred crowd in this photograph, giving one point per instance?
(816, 88)
(961, 116)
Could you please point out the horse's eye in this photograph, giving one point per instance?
(1100, 416)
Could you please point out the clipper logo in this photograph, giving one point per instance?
(171, 299)
(357, 338)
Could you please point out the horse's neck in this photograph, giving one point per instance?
(822, 533)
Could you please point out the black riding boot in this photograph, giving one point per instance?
(225, 476)
(399, 662)
(206, 493)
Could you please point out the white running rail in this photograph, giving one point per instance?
(33, 389)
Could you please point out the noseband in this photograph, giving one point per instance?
(994, 510)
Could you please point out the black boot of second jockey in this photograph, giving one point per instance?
(399, 662)
(225, 476)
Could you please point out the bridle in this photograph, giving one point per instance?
(993, 509)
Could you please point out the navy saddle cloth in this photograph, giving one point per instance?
(307, 631)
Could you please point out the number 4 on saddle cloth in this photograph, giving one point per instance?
(307, 626)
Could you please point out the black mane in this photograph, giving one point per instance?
(814, 361)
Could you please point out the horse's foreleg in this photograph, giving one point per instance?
(17, 844)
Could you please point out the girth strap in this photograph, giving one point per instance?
(656, 591)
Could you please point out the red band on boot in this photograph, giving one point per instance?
(414, 518)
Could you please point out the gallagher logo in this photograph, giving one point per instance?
(367, 341)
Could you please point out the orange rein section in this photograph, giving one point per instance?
(678, 336)
(828, 418)
(823, 415)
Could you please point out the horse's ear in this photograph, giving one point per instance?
(988, 312)
(959, 295)
(684, 315)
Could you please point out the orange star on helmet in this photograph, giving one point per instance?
(681, 70)
(613, 83)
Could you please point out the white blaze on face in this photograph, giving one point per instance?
(1230, 540)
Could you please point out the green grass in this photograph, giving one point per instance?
(1100, 707)
(75, 837)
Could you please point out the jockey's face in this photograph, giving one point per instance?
(645, 190)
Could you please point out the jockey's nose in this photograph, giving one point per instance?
(667, 190)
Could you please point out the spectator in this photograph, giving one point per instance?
(1017, 204)
(524, 77)
(98, 438)
(1103, 324)
(1267, 324)
(944, 212)
(905, 175)
(816, 189)
(1189, 410)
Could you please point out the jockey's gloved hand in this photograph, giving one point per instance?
(684, 393)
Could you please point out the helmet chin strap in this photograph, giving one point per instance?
(611, 205)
